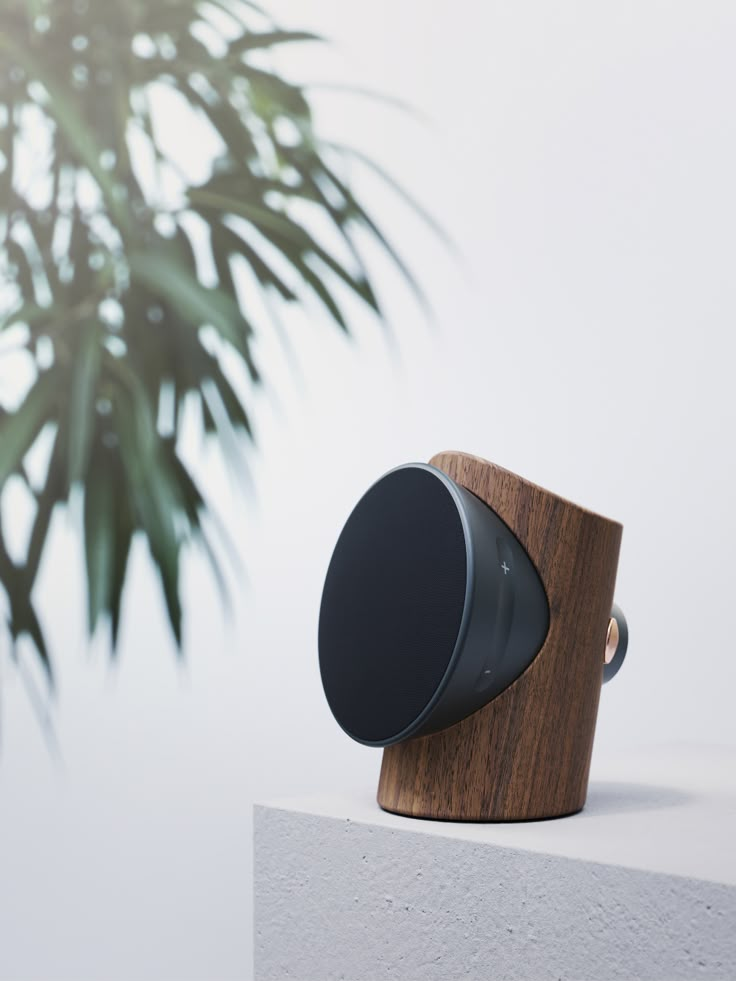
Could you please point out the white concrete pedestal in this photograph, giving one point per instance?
(640, 885)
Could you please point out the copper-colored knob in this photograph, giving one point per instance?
(612, 637)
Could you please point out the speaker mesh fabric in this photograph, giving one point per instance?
(392, 604)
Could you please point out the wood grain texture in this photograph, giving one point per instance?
(526, 754)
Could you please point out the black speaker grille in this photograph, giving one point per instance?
(392, 604)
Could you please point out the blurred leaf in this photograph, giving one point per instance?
(23, 618)
(253, 40)
(79, 135)
(124, 530)
(83, 397)
(24, 275)
(154, 500)
(99, 541)
(26, 313)
(359, 213)
(313, 280)
(29, 624)
(195, 304)
(19, 429)
(274, 96)
(224, 120)
(226, 242)
(290, 238)
(54, 491)
(195, 506)
(409, 199)
(226, 285)
(232, 404)
(374, 95)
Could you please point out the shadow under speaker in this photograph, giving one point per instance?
(466, 626)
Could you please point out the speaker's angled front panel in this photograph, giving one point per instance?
(430, 608)
(393, 604)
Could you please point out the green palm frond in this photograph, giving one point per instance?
(102, 272)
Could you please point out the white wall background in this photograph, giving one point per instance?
(583, 157)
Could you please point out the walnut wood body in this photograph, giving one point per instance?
(526, 754)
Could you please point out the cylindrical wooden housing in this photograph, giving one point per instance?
(526, 754)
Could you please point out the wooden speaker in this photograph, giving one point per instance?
(466, 625)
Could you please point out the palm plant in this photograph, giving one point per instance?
(119, 273)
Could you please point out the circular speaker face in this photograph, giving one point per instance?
(393, 604)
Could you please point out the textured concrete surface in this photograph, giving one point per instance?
(344, 891)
